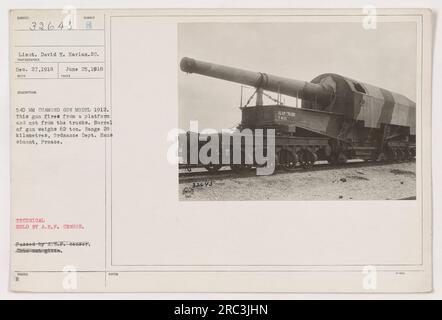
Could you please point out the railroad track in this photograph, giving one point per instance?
(189, 177)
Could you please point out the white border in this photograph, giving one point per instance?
(435, 5)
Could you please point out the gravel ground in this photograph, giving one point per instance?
(392, 181)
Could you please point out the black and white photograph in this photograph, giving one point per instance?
(297, 111)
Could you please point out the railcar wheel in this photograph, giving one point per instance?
(302, 159)
(342, 158)
(287, 160)
(390, 154)
(312, 158)
(407, 155)
(411, 154)
(337, 159)
(307, 158)
(332, 160)
(400, 155)
(394, 155)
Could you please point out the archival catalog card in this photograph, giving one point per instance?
(221, 150)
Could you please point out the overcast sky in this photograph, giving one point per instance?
(385, 57)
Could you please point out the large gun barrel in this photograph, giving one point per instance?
(317, 93)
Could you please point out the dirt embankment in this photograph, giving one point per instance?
(386, 182)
